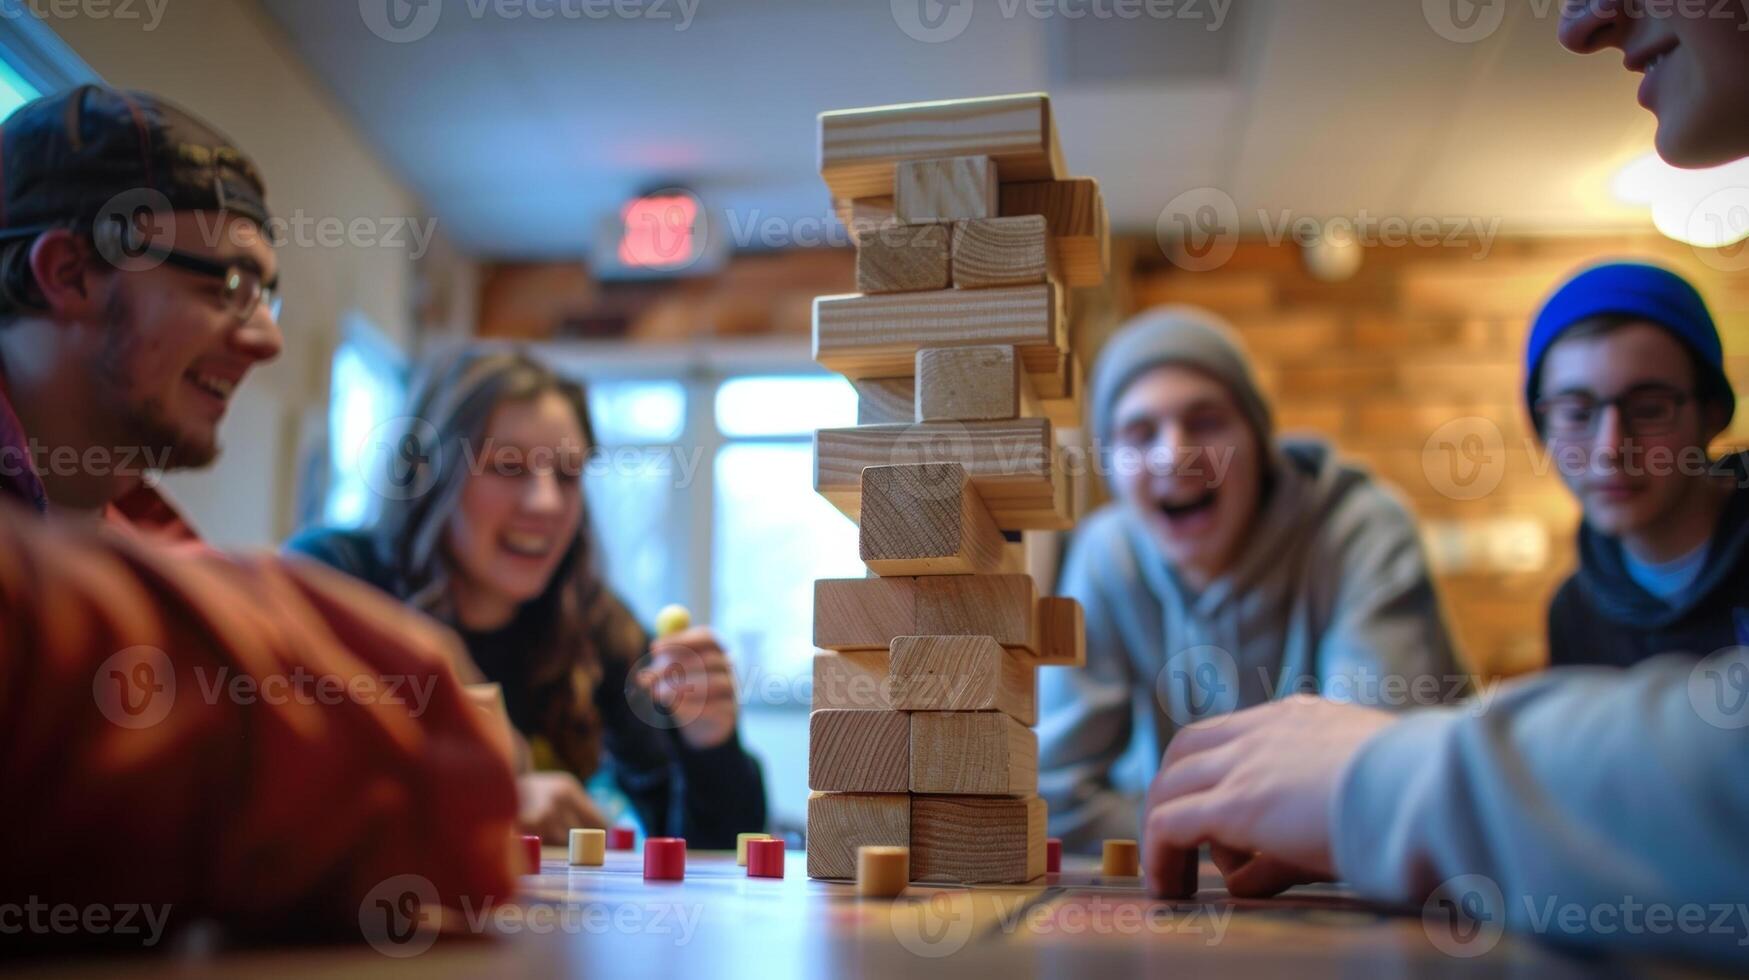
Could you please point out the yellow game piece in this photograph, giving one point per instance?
(672, 619)
(882, 872)
(588, 846)
(1122, 859)
(741, 846)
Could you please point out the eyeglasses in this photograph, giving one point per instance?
(240, 285)
(1646, 410)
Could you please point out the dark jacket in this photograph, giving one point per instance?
(1602, 616)
(706, 796)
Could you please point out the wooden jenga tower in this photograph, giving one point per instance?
(968, 233)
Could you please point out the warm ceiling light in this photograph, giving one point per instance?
(1704, 208)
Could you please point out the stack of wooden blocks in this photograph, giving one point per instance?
(968, 233)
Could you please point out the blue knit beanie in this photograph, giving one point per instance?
(1632, 289)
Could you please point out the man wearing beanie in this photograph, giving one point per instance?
(1625, 380)
(1232, 569)
(136, 292)
(1602, 790)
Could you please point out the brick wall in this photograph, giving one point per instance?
(1412, 367)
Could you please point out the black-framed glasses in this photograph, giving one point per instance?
(240, 284)
(1644, 410)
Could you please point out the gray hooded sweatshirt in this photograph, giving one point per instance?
(1595, 806)
(1332, 596)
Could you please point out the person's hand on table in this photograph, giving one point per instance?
(549, 804)
(691, 678)
(1256, 786)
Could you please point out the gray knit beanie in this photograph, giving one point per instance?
(1175, 335)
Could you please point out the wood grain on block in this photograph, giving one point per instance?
(947, 189)
(859, 148)
(886, 401)
(1063, 406)
(858, 750)
(1012, 463)
(868, 613)
(973, 840)
(852, 679)
(1001, 252)
(1062, 631)
(879, 336)
(979, 753)
(903, 259)
(839, 823)
(963, 673)
(864, 215)
(968, 384)
(1000, 606)
(926, 519)
(1076, 220)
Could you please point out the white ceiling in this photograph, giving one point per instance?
(520, 134)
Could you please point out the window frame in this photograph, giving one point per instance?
(700, 367)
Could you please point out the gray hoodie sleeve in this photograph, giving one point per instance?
(1085, 715)
(1594, 806)
(1387, 644)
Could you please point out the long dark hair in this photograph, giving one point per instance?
(448, 412)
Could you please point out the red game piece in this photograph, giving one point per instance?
(765, 859)
(531, 850)
(664, 859)
(621, 838)
(1053, 855)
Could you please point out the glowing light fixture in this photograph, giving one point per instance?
(1705, 208)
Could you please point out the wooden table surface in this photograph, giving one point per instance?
(608, 922)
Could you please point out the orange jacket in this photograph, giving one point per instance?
(252, 741)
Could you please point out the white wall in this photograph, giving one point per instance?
(224, 60)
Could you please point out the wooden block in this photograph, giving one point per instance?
(948, 189)
(1063, 406)
(977, 839)
(879, 336)
(860, 147)
(968, 384)
(868, 613)
(588, 847)
(1012, 463)
(975, 753)
(885, 401)
(858, 750)
(852, 679)
(903, 259)
(1001, 252)
(963, 673)
(1062, 633)
(741, 846)
(865, 215)
(927, 519)
(1076, 221)
(1120, 859)
(882, 872)
(839, 823)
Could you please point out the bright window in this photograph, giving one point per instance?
(637, 412)
(774, 537)
(637, 488)
(702, 493)
(14, 90)
(366, 389)
(783, 406)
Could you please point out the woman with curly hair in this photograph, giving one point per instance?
(486, 529)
